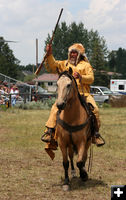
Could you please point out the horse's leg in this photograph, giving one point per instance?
(65, 166)
(81, 165)
(71, 153)
(66, 185)
(82, 156)
(86, 150)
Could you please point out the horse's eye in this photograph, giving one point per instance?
(68, 86)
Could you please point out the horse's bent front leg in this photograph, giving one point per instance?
(83, 173)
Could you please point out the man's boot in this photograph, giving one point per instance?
(51, 143)
(48, 135)
(98, 140)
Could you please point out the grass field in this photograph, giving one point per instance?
(27, 173)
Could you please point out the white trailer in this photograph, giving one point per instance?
(118, 85)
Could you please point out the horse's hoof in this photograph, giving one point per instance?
(73, 173)
(84, 178)
(66, 188)
(84, 175)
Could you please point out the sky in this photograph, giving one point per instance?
(26, 20)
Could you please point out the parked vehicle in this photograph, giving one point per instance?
(41, 90)
(118, 85)
(102, 94)
(40, 93)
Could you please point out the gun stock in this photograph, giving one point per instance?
(40, 66)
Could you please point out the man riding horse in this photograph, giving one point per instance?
(83, 73)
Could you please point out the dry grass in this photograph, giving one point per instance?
(27, 173)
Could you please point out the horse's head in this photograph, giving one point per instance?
(65, 89)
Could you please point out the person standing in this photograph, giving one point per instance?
(13, 94)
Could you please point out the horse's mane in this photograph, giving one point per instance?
(66, 73)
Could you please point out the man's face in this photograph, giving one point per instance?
(73, 57)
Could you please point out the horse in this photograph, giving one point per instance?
(73, 126)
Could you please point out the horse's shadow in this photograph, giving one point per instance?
(77, 183)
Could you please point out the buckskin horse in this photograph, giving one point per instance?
(73, 126)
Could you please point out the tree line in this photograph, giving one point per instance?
(96, 48)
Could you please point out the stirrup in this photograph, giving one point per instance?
(97, 135)
(47, 136)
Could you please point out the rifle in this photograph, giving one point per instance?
(50, 42)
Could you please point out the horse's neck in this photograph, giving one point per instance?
(74, 112)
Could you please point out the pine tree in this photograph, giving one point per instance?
(95, 45)
(8, 62)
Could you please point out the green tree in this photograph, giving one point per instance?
(117, 61)
(60, 42)
(29, 78)
(97, 51)
(95, 45)
(30, 67)
(112, 61)
(101, 79)
(8, 62)
(121, 61)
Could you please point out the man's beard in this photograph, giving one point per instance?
(73, 61)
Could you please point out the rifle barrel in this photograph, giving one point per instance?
(43, 60)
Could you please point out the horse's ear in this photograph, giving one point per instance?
(70, 71)
(58, 71)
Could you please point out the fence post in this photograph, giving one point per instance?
(24, 98)
(10, 100)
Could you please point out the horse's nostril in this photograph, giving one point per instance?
(61, 106)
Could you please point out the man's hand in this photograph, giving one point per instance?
(77, 76)
(49, 49)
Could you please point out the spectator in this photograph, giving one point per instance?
(14, 94)
(1, 100)
(1, 95)
(1, 90)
